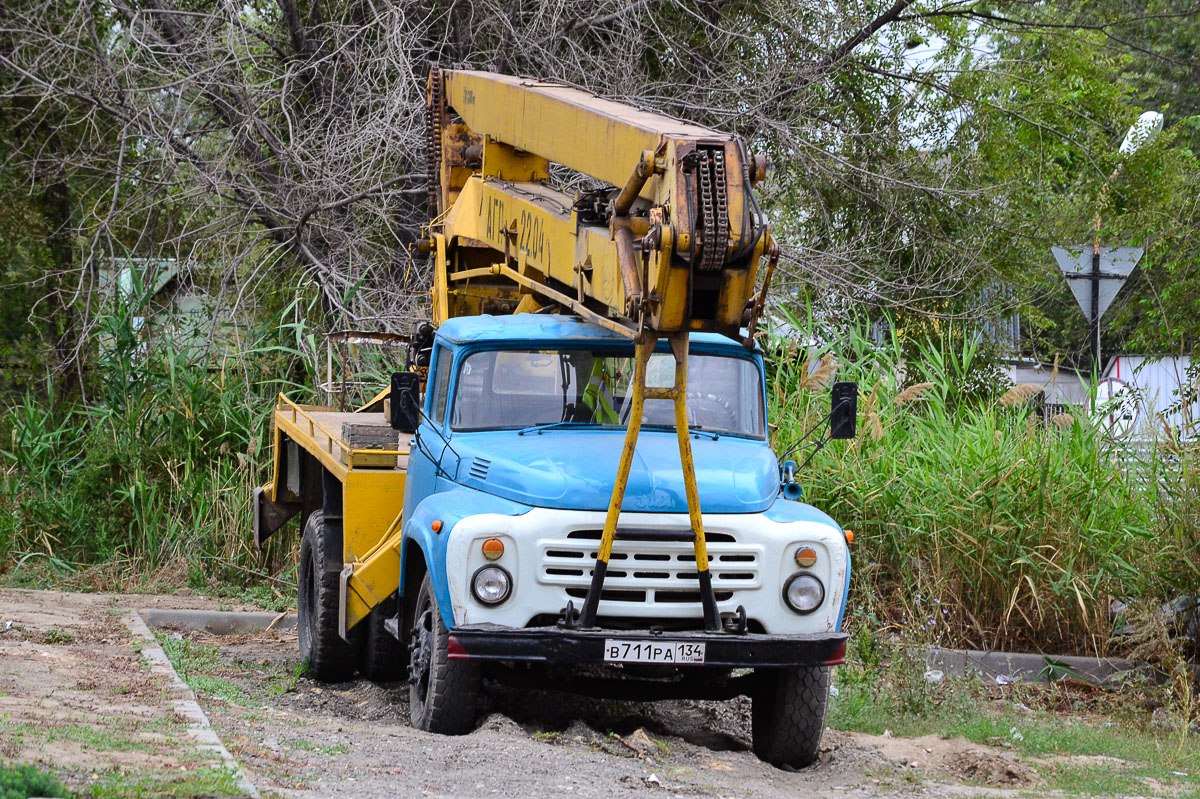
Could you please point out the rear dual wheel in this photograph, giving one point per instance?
(371, 649)
(330, 657)
(383, 657)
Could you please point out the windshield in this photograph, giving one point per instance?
(527, 388)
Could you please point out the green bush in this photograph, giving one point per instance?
(21, 782)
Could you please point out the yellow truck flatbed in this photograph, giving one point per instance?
(364, 455)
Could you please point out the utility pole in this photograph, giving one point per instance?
(1095, 314)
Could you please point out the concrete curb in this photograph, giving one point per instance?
(1028, 667)
(183, 702)
(219, 622)
(1001, 666)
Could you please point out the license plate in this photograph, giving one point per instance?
(618, 651)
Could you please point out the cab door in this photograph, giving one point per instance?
(431, 458)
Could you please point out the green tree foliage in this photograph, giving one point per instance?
(972, 137)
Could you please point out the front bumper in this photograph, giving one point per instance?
(724, 650)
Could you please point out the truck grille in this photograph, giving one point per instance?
(644, 569)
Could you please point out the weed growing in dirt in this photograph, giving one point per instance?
(285, 681)
(196, 664)
(203, 781)
(54, 636)
(188, 656)
(19, 782)
(305, 745)
(154, 737)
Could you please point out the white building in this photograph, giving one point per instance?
(1139, 396)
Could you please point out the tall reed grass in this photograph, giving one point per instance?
(154, 471)
(976, 522)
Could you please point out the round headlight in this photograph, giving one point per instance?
(491, 585)
(804, 593)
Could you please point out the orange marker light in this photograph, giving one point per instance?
(493, 548)
(849, 536)
(436, 526)
(805, 557)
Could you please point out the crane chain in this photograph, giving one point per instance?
(706, 214)
(714, 210)
(720, 247)
(433, 138)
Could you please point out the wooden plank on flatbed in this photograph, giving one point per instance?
(326, 441)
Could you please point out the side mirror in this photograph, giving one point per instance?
(843, 415)
(406, 401)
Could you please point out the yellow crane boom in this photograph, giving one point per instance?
(670, 241)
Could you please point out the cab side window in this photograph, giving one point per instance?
(441, 389)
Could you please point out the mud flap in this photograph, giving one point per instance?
(270, 516)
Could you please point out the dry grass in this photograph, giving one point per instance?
(912, 393)
(1063, 421)
(1020, 393)
(821, 376)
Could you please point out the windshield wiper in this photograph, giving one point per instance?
(694, 429)
(540, 428)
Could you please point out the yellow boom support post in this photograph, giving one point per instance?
(678, 394)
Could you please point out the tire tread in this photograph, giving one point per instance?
(789, 715)
(330, 657)
(454, 685)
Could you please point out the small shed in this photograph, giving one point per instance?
(167, 310)
(1164, 390)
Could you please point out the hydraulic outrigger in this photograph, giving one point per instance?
(685, 206)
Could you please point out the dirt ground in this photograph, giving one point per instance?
(76, 695)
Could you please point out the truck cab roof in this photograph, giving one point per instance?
(558, 328)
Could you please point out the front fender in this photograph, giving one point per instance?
(786, 510)
(450, 507)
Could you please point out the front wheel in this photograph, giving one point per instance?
(789, 714)
(443, 693)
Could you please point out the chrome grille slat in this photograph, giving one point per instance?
(649, 571)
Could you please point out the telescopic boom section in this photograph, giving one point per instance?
(669, 240)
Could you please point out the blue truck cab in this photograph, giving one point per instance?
(509, 478)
